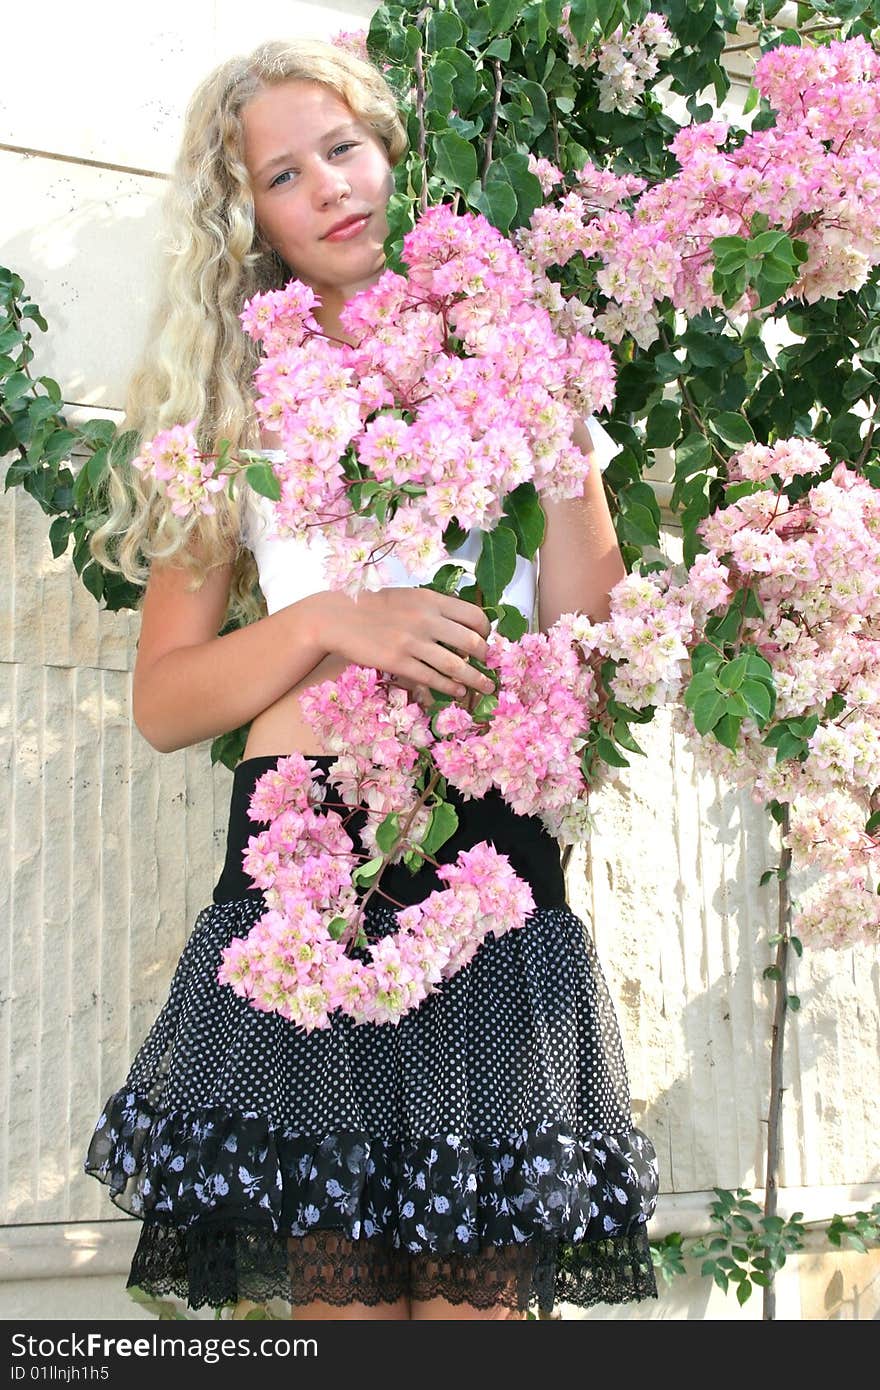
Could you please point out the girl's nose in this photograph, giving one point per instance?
(330, 183)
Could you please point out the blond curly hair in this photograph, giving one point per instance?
(199, 362)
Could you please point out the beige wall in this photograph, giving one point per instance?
(110, 849)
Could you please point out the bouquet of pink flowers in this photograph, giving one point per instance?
(458, 393)
(453, 411)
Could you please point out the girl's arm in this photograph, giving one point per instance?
(189, 684)
(580, 560)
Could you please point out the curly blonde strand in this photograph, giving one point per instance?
(200, 364)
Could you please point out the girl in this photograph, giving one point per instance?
(479, 1156)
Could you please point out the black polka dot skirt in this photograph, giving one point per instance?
(481, 1150)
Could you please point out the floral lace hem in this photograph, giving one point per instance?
(209, 1264)
(428, 1194)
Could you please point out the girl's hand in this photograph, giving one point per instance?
(420, 637)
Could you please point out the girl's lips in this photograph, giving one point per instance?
(351, 229)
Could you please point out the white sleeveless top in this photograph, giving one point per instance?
(291, 569)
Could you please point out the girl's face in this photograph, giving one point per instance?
(321, 182)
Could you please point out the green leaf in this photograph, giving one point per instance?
(40, 409)
(624, 737)
(10, 337)
(52, 389)
(702, 683)
(93, 578)
(30, 311)
(743, 1292)
(759, 701)
(786, 744)
(610, 753)
(336, 927)
(731, 675)
(793, 1002)
(523, 182)
(583, 15)
(663, 426)
(446, 580)
(497, 201)
(638, 522)
(454, 159)
(95, 433)
(59, 445)
(503, 14)
(734, 429)
(14, 388)
(96, 466)
(727, 730)
(708, 709)
(522, 508)
(512, 623)
(858, 384)
(364, 874)
(730, 252)
(454, 536)
(466, 79)
(704, 657)
(444, 30)
(264, 480)
(498, 48)
(440, 94)
(692, 455)
(497, 562)
(442, 825)
(388, 832)
(485, 707)
(723, 627)
(59, 535)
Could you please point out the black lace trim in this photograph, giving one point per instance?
(213, 1265)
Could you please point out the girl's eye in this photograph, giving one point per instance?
(281, 178)
(348, 145)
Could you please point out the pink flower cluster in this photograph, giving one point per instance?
(816, 173)
(814, 566)
(647, 634)
(627, 62)
(547, 174)
(173, 458)
(294, 961)
(379, 735)
(352, 41)
(456, 391)
(530, 748)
